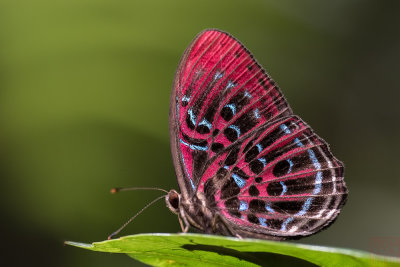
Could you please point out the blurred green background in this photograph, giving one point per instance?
(84, 96)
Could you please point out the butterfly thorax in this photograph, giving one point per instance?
(193, 211)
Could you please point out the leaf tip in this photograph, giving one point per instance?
(78, 244)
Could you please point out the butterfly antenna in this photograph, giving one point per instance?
(119, 189)
(134, 216)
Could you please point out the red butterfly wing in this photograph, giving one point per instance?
(235, 140)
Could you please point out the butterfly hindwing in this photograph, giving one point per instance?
(284, 182)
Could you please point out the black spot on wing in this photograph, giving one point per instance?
(199, 159)
(212, 109)
(246, 122)
(217, 147)
(256, 166)
(247, 147)
(274, 189)
(240, 126)
(227, 113)
(234, 106)
(193, 141)
(232, 205)
(304, 185)
(281, 168)
(291, 207)
(215, 132)
(253, 219)
(271, 156)
(253, 191)
(251, 154)
(271, 137)
(232, 156)
(231, 134)
(185, 102)
(202, 129)
(189, 122)
(229, 189)
(300, 161)
(264, 143)
(257, 206)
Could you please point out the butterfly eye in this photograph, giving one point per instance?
(173, 200)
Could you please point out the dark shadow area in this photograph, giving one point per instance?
(21, 247)
(260, 258)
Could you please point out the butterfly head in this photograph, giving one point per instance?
(173, 201)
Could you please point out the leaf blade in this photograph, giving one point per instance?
(196, 249)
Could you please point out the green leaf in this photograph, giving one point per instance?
(206, 250)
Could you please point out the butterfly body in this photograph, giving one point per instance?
(194, 212)
(246, 165)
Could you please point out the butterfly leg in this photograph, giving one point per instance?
(182, 221)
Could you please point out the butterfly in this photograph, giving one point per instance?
(245, 164)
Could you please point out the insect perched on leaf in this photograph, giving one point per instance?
(245, 164)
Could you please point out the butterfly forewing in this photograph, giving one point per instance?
(235, 140)
(220, 94)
